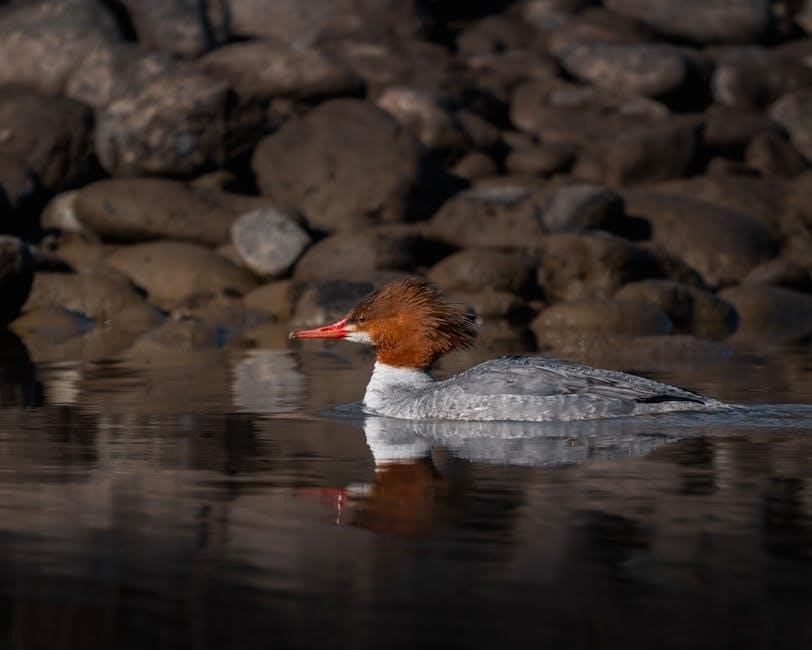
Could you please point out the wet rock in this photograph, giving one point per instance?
(16, 276)
(751, 77)
(42, 43)
(492, 303)
(144, 209)
(665, 149)
(771, 154)
(477, 269)
(770, 313)
(490, 217)
(781, 272)
(174, 273)
(97, 297)
(583, 318)
(703, 21)
(177, 27)
(60, 213)
(691, 309)
(345, 164)
(651, 69)
(575, 208)
(268, 242)
(326, 301)
(595, 265)
(81, 251)
(641, 352)
(173, 124)
(274, 298)
(425, 116)
(731, 129)
(51, 136)
(53, 324)
(359, 254)
(794, 112)
(721, 244)
(474, 165)
(541, 160)
(271, 69)
(556, 111)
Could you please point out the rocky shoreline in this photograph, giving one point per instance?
(587, 176)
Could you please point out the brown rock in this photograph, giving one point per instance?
(16, 183)
(475, 269)
(326, 301)
(490, 217)
(731, 128)
(770, 313)
(492, 303)
(692, 310)
(723, 245)
(595, 265)
(781, 272)
(274, 298)
(541, 160)
(51, 136)
(794, 112)
(474, 165)
(579, 207)
(345, 164)
(584, 318)
(174, 273)
(770, 154)
(425, 116)
(16, 276)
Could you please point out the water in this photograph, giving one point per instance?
(233, 500)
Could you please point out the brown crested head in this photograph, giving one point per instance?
(410, 323)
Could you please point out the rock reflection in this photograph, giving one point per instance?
(267, 381)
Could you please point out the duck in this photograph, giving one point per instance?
(410, 324)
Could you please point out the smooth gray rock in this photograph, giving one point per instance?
(575, 208)
(268, 242)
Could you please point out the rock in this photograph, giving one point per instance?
(82, 251)
(51, 136)
(185, 334)
(42, 43)
(490, 217)
(665, 149)
(270, 69)
(354, 255)
(771, 154)
(769, 313)
(425, 116)
(268, 242)
(575, 208)
(326, 301)
(345, 164)
(541, 160)
(721, 244)
(475, 269)
(556, 111)
(596, 25)
(692, 310)
(60, 214)
(491, 303)
(97, 297)
(474, 165)
(798, 221)
(651, 69)
(494, 33)
(16, 183)
(731, 129)
(177, 27)
(594, 265)
(54, 324)
(274, 298)
(16, 277)
(175, 273)
(751, 77)
(781, 272)
(794, 112)
(173, 124)
(641, 352)
(482, 134)
(703, 21)
(145, 209)
(804, 16)
(584, 318)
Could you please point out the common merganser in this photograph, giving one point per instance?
(410, 324)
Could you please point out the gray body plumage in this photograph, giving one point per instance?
(526, 388)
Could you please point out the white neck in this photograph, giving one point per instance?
(385, 378)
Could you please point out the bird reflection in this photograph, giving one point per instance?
(412, 492)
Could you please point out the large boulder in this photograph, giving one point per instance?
(50, 136)
(347, 163)
(490, 217)
(703, 21)
(16, 277)
(692, 310)
(475, 269)
(770, 313)
(145, 209)
(721, 244)
(176, 273)
(595, 265)
(42, 43)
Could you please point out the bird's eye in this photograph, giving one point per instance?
(361, 319)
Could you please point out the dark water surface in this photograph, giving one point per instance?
(227, 501)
